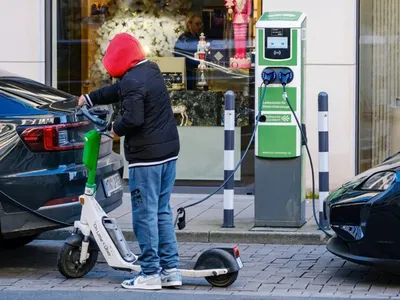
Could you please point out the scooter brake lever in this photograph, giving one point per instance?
(78, 111)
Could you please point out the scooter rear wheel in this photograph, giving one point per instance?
(223, 280)
(68, 261)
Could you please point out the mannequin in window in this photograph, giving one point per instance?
(241, 11)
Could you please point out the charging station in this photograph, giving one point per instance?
(279, 148)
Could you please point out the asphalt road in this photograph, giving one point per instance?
(129, 295)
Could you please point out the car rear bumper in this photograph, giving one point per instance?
(339, 248)
(16, 221)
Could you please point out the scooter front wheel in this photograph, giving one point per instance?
(223, 280)
(68, 261)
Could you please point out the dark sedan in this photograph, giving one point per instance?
(41, 170)
(365, 215)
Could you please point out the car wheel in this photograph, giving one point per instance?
(17, 242)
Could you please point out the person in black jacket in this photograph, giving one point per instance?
(151, 147)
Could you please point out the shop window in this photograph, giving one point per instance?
(170, 32)
(379, 89)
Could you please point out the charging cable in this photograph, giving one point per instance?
(33, 211)
(268, 77)
(285, 76)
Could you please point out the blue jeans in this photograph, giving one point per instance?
(152, 217)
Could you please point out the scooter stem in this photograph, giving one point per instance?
(90, 156)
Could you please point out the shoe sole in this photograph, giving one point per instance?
(172, 284)
(143, 287)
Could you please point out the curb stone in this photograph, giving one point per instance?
(240, 237)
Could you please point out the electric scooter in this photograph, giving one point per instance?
(95, 232)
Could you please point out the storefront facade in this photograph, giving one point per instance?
(351, 54)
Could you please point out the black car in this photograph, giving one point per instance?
(364, 213)
(41, 170)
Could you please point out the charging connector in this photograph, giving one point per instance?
(268, 76)
(285, 76)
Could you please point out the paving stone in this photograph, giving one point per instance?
(289, 280)
(274, 279)
(279, 292)
(345, 288)
(334, 281)
(8, 281)
(329, 289)
(252, 286)
(342, 294)
(362, 287)
(203, 288)
(250, 273)
(310, 274)
(284, 271)
(355, 294)
(266, 287)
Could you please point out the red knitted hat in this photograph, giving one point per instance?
(123, 53)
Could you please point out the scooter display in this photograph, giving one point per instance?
(96, 231)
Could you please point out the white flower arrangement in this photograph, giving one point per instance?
(156, 28)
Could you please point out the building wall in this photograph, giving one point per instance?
(22, 36)
(330, 67)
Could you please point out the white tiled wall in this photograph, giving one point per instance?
(331, 67)
(22, 37)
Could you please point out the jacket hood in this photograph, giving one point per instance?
(123, 53)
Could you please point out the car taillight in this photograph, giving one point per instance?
(52, 137)
(61, 201)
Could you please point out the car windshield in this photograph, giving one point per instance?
(33, 93)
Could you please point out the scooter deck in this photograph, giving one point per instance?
(183, 265)
(186, 269)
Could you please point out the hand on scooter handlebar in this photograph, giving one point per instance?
(104, 125)
(91, 117)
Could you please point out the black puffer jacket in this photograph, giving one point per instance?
(147, 120)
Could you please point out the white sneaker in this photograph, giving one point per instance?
(171, 278)
(143, 282)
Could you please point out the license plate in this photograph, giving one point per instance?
(112, 184)
(239, 261)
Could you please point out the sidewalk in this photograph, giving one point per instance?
(204, 221)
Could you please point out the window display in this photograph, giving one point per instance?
(203, 50)
(379, 90)
(241, 9)
(157, 28)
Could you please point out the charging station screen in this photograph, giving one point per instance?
(277, 42)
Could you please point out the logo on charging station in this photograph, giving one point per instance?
(285, 118)
(277, 52)
(278, 118)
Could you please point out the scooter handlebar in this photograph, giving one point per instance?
(91, 117)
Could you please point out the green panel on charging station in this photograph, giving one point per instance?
(279, 41)
(279, 152)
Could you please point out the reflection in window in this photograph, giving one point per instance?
(170, 32)
(379, 86)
